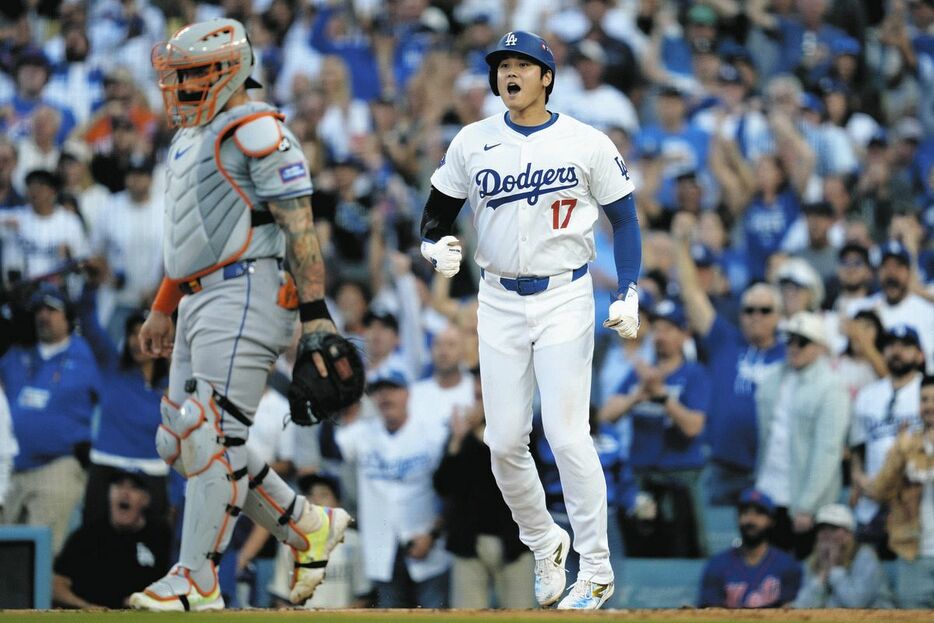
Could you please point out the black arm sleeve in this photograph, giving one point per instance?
(439, 215)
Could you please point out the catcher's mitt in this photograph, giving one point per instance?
(313, 398)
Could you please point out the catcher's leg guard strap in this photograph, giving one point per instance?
(272, 504)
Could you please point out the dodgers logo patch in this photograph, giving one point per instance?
(292, 172)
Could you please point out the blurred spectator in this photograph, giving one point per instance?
(841, 573)
(770, 215)
(395, 457)
(42, 236)
(803, 412)
(755, 574)
(9, 197)
(125, 550)
(53, 387)
(338, 33)
(678, 144)
(668, 405)
(76, 81)
(896, 303)
(132, 388)
(8, 448)
(804, 37)
(622, 68)
(129, 240)
(819, 253)
(110, 167)
(800, 286)
(737, 360)
(31, 72)
(481, 535)
(93, 198)
(449, 390)
(881, 411)
(906, 483)
(348, 209)
(853, 277)
(121, 99)
(861, 361)
(598, 103)
(346, 117)
(38, 150)
(352, 299)
(882, 189)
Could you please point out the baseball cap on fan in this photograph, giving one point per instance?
(758, 499)
(387, 378)
(48, 295)
(903, 333)
(836, 515)
(807, 325)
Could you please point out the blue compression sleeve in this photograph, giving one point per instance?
(627, 240)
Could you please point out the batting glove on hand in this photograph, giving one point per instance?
(444, 255)
(624, 315)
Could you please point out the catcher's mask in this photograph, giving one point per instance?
(200, 68)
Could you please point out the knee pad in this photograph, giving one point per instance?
(194, 435)
(168, 443)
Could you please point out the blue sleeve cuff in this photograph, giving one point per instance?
(627, 241)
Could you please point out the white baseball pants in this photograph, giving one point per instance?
(546, 337)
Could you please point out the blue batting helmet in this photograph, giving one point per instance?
(526, 44)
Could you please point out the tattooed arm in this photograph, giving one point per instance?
(306, 262)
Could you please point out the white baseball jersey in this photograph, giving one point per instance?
(878, 418)
(535, 198)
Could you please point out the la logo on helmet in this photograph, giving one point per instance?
(511, 39)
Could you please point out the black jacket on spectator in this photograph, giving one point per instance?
(106, 566)
(473, 504)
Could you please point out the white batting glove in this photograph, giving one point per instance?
(624, 315)
(444, 255)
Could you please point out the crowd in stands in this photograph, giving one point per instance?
(783, 158)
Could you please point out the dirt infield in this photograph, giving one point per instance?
(472, 616)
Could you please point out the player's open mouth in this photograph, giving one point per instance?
(512, 88)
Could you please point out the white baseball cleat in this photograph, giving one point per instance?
(310, 563)
(586, 595)
(176, 592)
(550, 576)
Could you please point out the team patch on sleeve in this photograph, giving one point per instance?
(292, 172)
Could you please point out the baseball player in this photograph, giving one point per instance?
(535, 180)
(238, 202)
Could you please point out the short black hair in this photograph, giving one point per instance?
(927, 379)
(308, 481)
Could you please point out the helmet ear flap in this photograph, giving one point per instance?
(493, 86)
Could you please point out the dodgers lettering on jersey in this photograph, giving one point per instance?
(535, 198)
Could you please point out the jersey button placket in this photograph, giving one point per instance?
(523, 217)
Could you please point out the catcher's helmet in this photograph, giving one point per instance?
(200, 67)
(526, 44)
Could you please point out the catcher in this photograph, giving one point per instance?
(239, 201)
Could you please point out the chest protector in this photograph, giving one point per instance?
(213, 214)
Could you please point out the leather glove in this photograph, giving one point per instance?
(624, 315)
(444, 255)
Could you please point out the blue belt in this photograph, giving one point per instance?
(230, 271)
(525, 286)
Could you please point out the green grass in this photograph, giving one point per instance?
(409, 616)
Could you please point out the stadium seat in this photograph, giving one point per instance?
(720, 526)
(660, 582)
